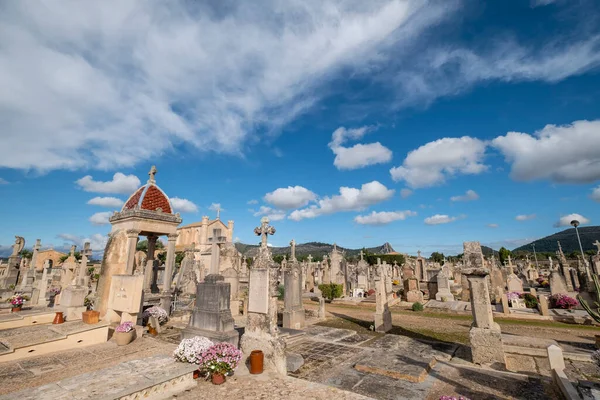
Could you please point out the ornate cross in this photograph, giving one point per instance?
(597, 244)
(310, 258)
(152, 174)
(293, 250)
(264, 230)
(73, 247)
(509, 260)
(361, 255)
(419, 253)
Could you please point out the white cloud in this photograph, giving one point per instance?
(97, 241)
(111, 202)
(525, 217)
(3, 181)
(562, 154)
(492, 225)
(434, 162)
(359, 155)
(566, 220)
(540, 3)
(404, 193)
(221, 74)
(216, 207)
(252, 202)
(349, 199)
(595, 194)
(183, 205)
(442, 219)
(271, 213)
(383, 217)
(101, 218)
(470, 195)
(120, 183)
(290, 197)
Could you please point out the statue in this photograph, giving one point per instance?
(18, 246)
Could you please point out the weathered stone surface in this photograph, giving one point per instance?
(486, 346)
(272, 347)
(396, 365)
(294, 362)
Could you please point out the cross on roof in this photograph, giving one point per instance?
(152, 174)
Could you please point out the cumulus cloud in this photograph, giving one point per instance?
(111, 202)
(434, 162)
(383, 217)
(492, 225)
(252, 201)
(183, 205)
(404, 193)
(120, 183)
(595, 194)
(290, 197)
(560, 153)
(349, 199)
(525, 217)
(438, 219)
(470, 195)
(566, 220)
(359, 155)
(271, 213)
(100, 218)
(97, 241)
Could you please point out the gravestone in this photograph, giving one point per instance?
(231, 276)
(443, 287)
(412, 294)
(125, 297)
(72, 297)
(383, 315)
(293, 312)
(261, 332)
(12, 273)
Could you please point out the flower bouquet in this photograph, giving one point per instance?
(189, 350)
(124, 327)
(124, 333)
(218, 360)
(159, 313)
(17, 301)
(563, 301)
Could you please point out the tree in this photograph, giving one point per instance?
(77, 257)
(143, 245)
(437, 257)
(503, 254)
(26, 254)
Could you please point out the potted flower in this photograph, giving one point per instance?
(90, 316)
(219, 360)
(124, 333)
(17, 301)
(190, 349)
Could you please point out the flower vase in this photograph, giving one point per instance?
(152, 330)
(58, 318)
(124, 338)
(17, 308)
(217, 379)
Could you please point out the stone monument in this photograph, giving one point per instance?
(412, 294)
(28, 276)
(383, 315)
(443, 287)
(261, 331)
(293, 312)
(72, 298)
(14, 261)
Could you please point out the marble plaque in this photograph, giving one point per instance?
(126, 293)
(258, 292)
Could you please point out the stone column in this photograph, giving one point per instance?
(485, 334)
(148, 272)
(43, 287)
(170, 263)
(132, 239)
(383, 316)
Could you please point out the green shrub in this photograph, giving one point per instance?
(281, 291)
(331, 291)
(530, 300)
(417, 306)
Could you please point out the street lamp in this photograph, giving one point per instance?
(535, 255)
(575, 224)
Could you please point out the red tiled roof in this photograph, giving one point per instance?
(149, 197)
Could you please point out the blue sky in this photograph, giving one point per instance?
(419, 123)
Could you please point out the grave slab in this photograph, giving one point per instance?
(397, 365)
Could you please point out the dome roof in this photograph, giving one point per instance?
(149, 197)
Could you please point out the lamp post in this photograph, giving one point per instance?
(575, 224)
(535, 255)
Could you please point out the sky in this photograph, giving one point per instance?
(419, 123)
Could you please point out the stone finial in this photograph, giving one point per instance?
(152, 175)
(597, 244)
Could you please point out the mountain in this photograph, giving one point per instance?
(316, 249)
(568, 241)
(488, 251)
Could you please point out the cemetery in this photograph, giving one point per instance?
(220, 324)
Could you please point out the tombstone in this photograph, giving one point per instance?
(29, 274)
(125, 297)
(293, 311)
(383, 315)
(261, 332)
(212, 317)
(485, 335)
(497, 282)
(543, 305)
(443, 287)
(72, 298)
(505, 306)
(231, 276)
(412, 293)
(514, 283)
(557, 283)
(321, 314)
(12, 273)
(43, 285)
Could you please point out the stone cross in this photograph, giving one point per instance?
(310, 258)
(85, 253)
(264, 230)
(219, 212)
(362, 254)
(597, 244)
(73, 251)
(509, 260)
(419, 254)
(36, 249)
(152, 175)
(293, 250)
(215, 253)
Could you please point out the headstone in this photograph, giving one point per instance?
(505, 307)
(12, 273)
(231, 276)
(412, 293)
(485, 335)
(383, 315)
(293, 312)
(125, 297)
(443, 287)
(543, 305)
(514, 283)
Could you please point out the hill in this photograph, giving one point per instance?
(568, 241)
(316, 249)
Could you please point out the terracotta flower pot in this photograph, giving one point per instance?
(17, 308)
(124, 338)
(58, 318)
(257, 358)
(90, 317)
(152, 331)
(217, 379)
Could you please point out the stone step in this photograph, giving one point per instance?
(26, 318)
(151, 378)
(35, 340)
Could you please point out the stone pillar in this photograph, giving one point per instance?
(505, 308)
(132, 239)
(148, 272)
(485, 335)
(168, 273)
(568, 280)
(293, 313)
(43, 287)
(383, 315)
(543, 305)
